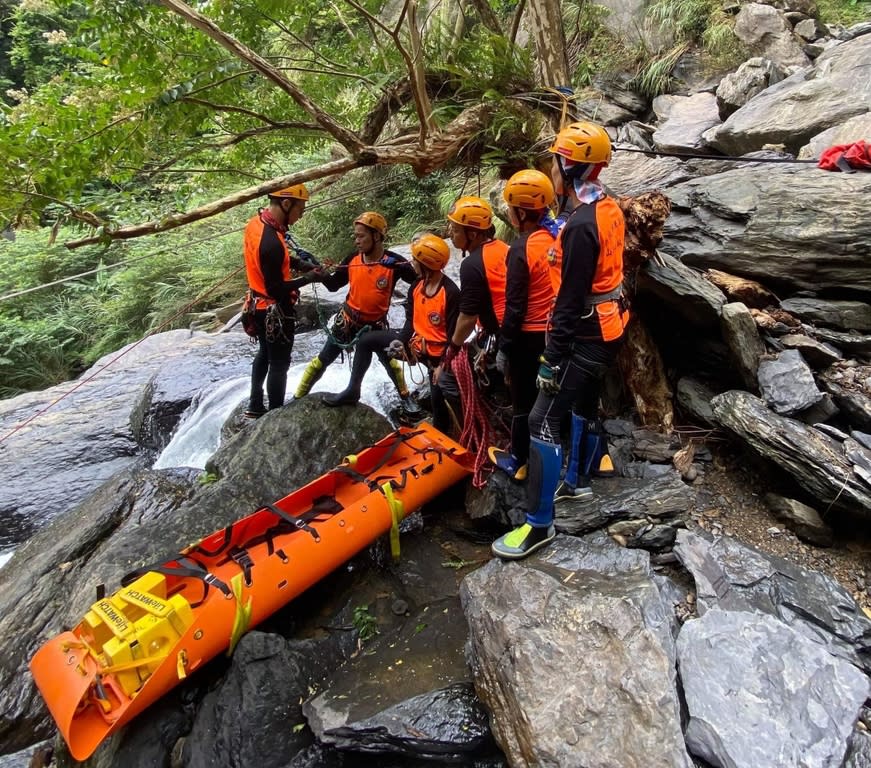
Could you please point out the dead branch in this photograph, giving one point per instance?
(174, 221)
(487, 16)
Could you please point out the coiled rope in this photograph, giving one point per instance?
(477, 434)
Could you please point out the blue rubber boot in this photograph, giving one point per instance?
(596, 460)
(576, 482)
(545, 461)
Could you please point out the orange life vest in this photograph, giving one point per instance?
(494, 254)
(429, 321)
(608, 279)
(255, 230)
(541, 292)
(370, 287)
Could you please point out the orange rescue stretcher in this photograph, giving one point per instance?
(170, 618)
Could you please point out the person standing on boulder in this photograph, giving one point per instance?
(370, 273)
(587, 326)
(272, 294)
(528, 301)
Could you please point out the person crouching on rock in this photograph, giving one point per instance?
(270, 313)
(587, 326)
(431, 310)
(371, 274)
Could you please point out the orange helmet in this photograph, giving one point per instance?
(431, 251)
(469, 211)
(529, 189)
(297, 191)
(583, 142)
(374, 221)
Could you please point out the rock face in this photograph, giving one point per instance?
(550, 645)
(107, 421)
(748, 222)
(745, 674)
(838, 86)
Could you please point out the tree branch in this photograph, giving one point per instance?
(515, 21)
(415, 72)
(487, 16)
(230, 108)
(346, 138)
(174, 221)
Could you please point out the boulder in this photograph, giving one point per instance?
(738, 87)
(766, 33)
(683, 120)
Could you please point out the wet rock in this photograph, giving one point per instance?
(803, 520)
(501, 499)
(136, 520)
(740, 669)
(787, 384)
(44, 468)
(733, 577)
(859, 751)
(854, 129)
(840, 315)
(444, 724)
(519, 612)
(256, 708)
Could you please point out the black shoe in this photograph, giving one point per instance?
(567, 492)
(253, 413)
(341, 398)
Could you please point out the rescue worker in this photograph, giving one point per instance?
(587, 327)
(482, 286)
(272, 292)
(431, 310)
(528, 300)
(370, 274)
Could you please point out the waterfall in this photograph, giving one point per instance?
(199, 433)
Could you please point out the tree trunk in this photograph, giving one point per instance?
(644, 373)
(546, 26)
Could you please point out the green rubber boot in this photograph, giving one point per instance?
(398, 376)
(313, 371)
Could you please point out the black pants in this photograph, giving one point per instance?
(270, 365)
(370, 343)
(579, 376)
(522, 370)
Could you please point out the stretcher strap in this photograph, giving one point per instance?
(187, 568)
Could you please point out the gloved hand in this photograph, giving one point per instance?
(314, 275)
(450, 353)
(547, 379)
(305, 255)
(502, 362)
(395, 349)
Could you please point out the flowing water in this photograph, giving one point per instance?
(199, 433)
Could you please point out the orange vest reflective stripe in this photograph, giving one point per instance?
(494, 254)
(541, 295)
(254, 232)
(429, 321)
(369, 289)
(609, 268)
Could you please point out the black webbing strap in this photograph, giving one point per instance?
(297, 521)
(240, 556)
(228, 536)
(187, 568)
